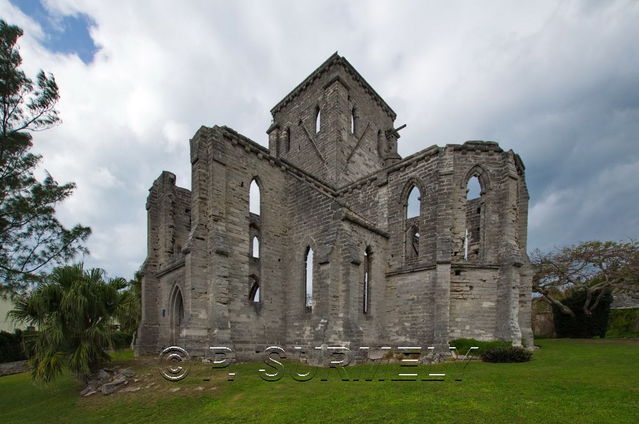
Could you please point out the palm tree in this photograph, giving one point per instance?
(129, 311)
(72, 310)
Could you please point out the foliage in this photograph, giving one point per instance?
(506, 354)
(121, 340)
(582, 325)
(31, 237)
(463, 345)
(623, 323)
(129, 312)
(11, 348)
(72, 309)
(594, 268)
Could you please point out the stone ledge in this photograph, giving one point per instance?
(16, 367)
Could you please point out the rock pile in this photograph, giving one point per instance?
(108, 381)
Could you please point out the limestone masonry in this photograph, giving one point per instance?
(342, 241)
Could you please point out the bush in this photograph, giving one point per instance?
(121, 340)
(463, 345)
(623, 323)
(11, 348)
(506, 354)
(582, 326)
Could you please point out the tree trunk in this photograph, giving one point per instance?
(563, 308)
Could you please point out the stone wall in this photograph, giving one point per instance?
(543, 323)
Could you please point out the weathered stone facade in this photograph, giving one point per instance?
(334, 200)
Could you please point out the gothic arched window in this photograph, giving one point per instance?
(366, 298)
(413, 203)
(318, 119)
(255, 247)
(308, 278)
(254, 197)
(474, 206)
(354, 120)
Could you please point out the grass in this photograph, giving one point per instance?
(568, 381)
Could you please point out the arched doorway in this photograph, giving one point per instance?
(176, 310)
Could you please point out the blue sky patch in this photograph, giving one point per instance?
(63, 34)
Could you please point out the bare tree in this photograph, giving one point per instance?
(594, 267)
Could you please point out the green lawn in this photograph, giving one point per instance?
(568, 381)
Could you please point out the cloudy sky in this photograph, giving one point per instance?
(558, 82)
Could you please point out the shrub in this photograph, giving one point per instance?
(506, 354)
(11, 348)
(582, 325)
(121, 340)
(623, 323)
(462, 345)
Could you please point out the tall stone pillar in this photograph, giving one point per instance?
(507, 320)
(444, 217)
(220, 268)
(196, 269)
(148, 332)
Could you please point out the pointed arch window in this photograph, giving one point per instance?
(255, 248)
(412, 222)
(308, 278)
(413, 203)
(354, 123)
(368, 259)
(318, 119)
(473, 188)
(254, 197)
(474, 207)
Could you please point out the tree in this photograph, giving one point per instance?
(31, 238)
(581, 325)
(72, 309)
(129, 311)
(594, 268)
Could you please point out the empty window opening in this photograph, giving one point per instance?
(254, 293)
(368, 257)
(473, 188)
(318, 118)
(466, 245)
(254, 198)
(413, 203)
(412, 242)
(472, 232)
(308, 278)
(255, 247)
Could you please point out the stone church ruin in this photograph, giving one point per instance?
(343, 241)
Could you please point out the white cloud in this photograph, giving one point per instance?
(551, 80)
